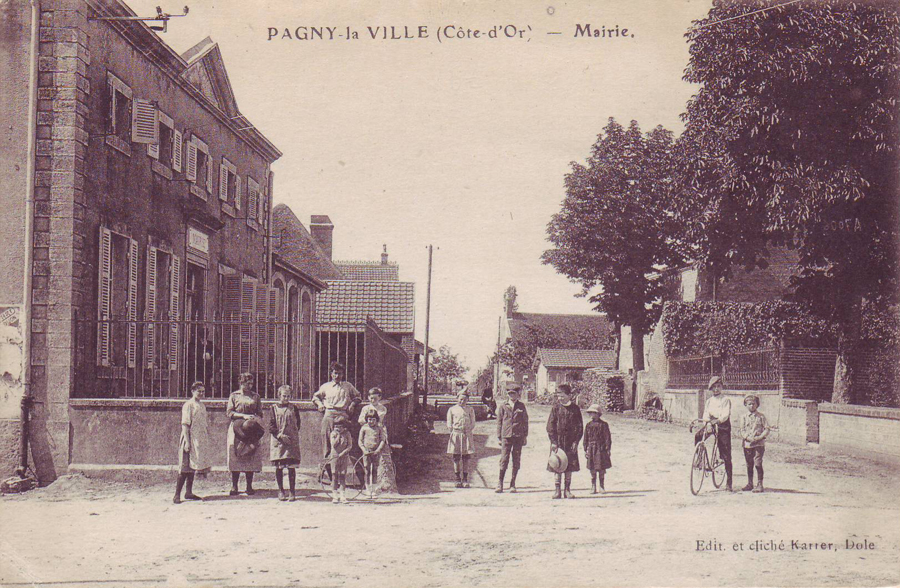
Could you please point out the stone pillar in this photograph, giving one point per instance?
(59, 282)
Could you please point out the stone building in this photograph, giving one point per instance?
(145, 195)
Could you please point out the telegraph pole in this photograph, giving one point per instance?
(427, 326)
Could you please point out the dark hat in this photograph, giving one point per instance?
(248, 431)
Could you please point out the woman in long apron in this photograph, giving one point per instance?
(243, 405)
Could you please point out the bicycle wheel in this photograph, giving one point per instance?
(698, 468)
(717, 468)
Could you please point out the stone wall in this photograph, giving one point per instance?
(141, 433)
(861, 430)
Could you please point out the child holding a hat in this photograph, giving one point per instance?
(565, 428)
(754, 430)
(597, 445)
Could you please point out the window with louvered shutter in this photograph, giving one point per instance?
(237, 192)
(150, 310)
(209, 174)
(104, 297)
(144, 122)
(223, 181)
(191, 169)
(248, 317)
(174, 310)
(177, 144)
(132, 301)
(252, 199)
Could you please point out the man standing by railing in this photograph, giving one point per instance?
(335, 398)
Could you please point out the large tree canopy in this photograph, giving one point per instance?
(615, 228)
(792, 139)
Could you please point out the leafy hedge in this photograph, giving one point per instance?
(699, 328)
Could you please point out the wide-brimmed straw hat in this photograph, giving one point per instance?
(247, 434)
(558, 461)
(594, 408)
(713, 381)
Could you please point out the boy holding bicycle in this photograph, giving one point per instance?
(717, 415)
(754, 430)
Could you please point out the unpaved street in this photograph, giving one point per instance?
(643, 531)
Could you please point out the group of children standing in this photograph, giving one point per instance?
(194, 448)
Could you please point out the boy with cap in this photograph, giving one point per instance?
(512, 432)
(717, 415)
(754, 430)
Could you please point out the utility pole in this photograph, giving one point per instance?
(497, 369)
(427, 327)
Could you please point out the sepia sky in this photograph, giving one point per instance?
(462, 144)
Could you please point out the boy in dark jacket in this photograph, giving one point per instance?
(512, 432)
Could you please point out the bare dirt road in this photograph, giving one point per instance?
(647, 529)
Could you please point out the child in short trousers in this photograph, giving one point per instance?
(372, 441)
(284, 449)
(754, 430)
(339, 458)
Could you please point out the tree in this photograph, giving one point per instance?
(792, 140)
(615, 229)
(519, 353)
(444, 366)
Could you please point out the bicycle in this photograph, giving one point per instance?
(702, 462)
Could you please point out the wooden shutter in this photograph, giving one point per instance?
(104, 293)
(150, 310)
(174, 310)
(132, 301)
(231, 315)
(209, 174)
(191, 161)
(223, 181)
(144, 122)
(177, 140)
(248, 319)
(252, 199)
(153, 150)
(237, 192)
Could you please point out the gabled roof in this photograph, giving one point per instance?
(570, 330)
(576, 358)
(295, 245)
(390, 304)
(206, 71)
(369, 271)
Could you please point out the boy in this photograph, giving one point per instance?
(512, 432)
(565, 428)
(717, 414)
(375, 404)
(754, 430)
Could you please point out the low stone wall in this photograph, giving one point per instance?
(684, 406)
(141, 433)
(862, 430)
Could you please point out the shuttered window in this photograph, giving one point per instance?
(133, 269)
(150, 310)
(104, 297)
(199, 166)
(174, 310)
(120, 96)
(144, 122)
(252, 201)
(229, 182)
(177, 143)
(164, 149)
(191, 168)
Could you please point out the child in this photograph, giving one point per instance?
(461, 423)
(193, 446)
(512, 432)
(375, 404)
(754, 430)
(284, 448)
(372, 440)
(565, 428)
(339, 458)
(597, 444)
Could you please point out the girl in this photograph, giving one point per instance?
(243, 405)
(461, 423)
(285, 444)
(375, 396)
(339, 458)
(565, 428)
(193, 454)
(372, 440)
(597, 444)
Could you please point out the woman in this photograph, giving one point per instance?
(244, 411)
(565, 427)
(461, 424)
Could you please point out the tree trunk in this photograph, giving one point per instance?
(637, 349)
(848, 340)
(618, 329)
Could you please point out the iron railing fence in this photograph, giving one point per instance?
(118, 358)
(750, 369)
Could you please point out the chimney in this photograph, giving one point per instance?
(321, 229)
(384, 256)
